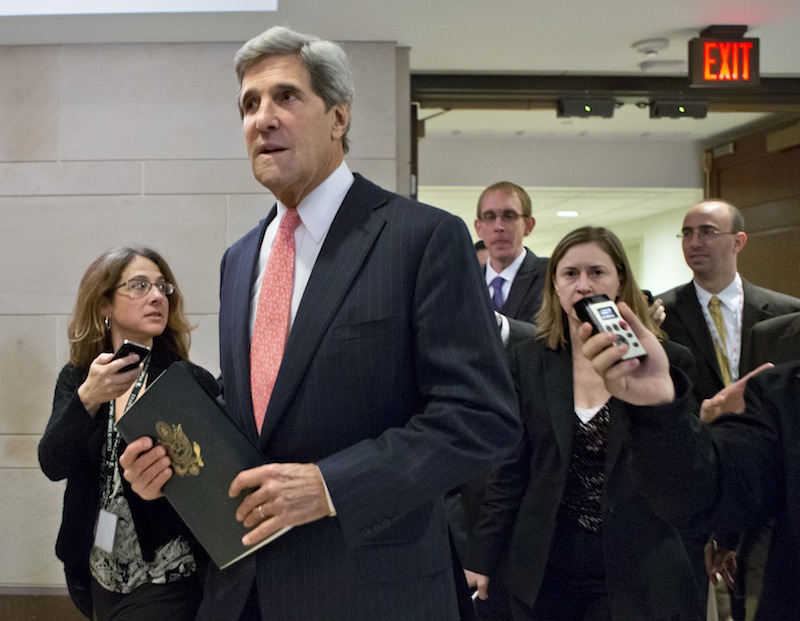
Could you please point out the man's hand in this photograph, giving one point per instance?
(658, 311)
(720, 563)
(284, 495)
(146, 467)
(638, 381)
(478, 581)
(730, 399)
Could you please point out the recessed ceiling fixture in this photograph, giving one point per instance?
(665, 66)
(651, 47)
(568, 214)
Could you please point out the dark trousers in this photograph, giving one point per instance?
(176, 601)
(574, 586)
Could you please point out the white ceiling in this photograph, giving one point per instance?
(531, 36)
(562, 37)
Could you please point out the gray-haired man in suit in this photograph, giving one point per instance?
(392, 387)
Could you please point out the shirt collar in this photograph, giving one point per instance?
(319, 208)
(508, 274)
(729, 296)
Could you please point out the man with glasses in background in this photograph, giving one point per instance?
(514, 275)
(514, 279)
(714, 314)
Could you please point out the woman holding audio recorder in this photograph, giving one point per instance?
(561, 520)
(124, 558)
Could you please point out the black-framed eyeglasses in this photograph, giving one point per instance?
(139, 287)
(508, 216)
(702, 232)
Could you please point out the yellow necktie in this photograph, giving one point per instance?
(719, 323)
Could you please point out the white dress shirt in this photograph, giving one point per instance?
(317, 211)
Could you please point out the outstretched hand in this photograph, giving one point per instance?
(638, 381)
(730, 399)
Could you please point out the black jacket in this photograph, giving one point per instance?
(71, 448)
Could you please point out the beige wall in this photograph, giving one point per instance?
(103, 145)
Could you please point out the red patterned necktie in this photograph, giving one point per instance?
(272, 316)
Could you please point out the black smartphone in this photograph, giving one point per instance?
(129, 347)
(603, 314)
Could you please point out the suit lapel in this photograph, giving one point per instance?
(617, 435)
(754, 309)
(353, 232)
(557, 374)
(520, 287)
(690, 314)
(239, 326)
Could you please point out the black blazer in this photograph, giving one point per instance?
(774, 340)
(735, 474)
(393, 382)
(686, 325)
(71, 448)
(648, 572)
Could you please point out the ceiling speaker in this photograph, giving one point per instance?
(678, 109)
(587, 107)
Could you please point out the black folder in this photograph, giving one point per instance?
(207, 450)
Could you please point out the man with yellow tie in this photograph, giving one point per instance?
(713, 314)
(712, 237)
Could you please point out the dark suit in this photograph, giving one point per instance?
(736, 474)
(525, 297)
(685, 324)
(393, 382)
(647, 570)
(520, 308)
(774, 340)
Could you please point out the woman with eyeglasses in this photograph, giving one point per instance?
(124, 558)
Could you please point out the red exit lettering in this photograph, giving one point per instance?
(726, 60)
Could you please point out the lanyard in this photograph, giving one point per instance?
(111, 448)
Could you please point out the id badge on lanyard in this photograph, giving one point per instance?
(106, 528)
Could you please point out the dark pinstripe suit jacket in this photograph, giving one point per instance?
(393, 382)
(774, 340)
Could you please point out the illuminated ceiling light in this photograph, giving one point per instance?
(568, 214)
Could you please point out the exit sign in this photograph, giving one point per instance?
(723, 62)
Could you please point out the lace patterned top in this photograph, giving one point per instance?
(586, 474)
